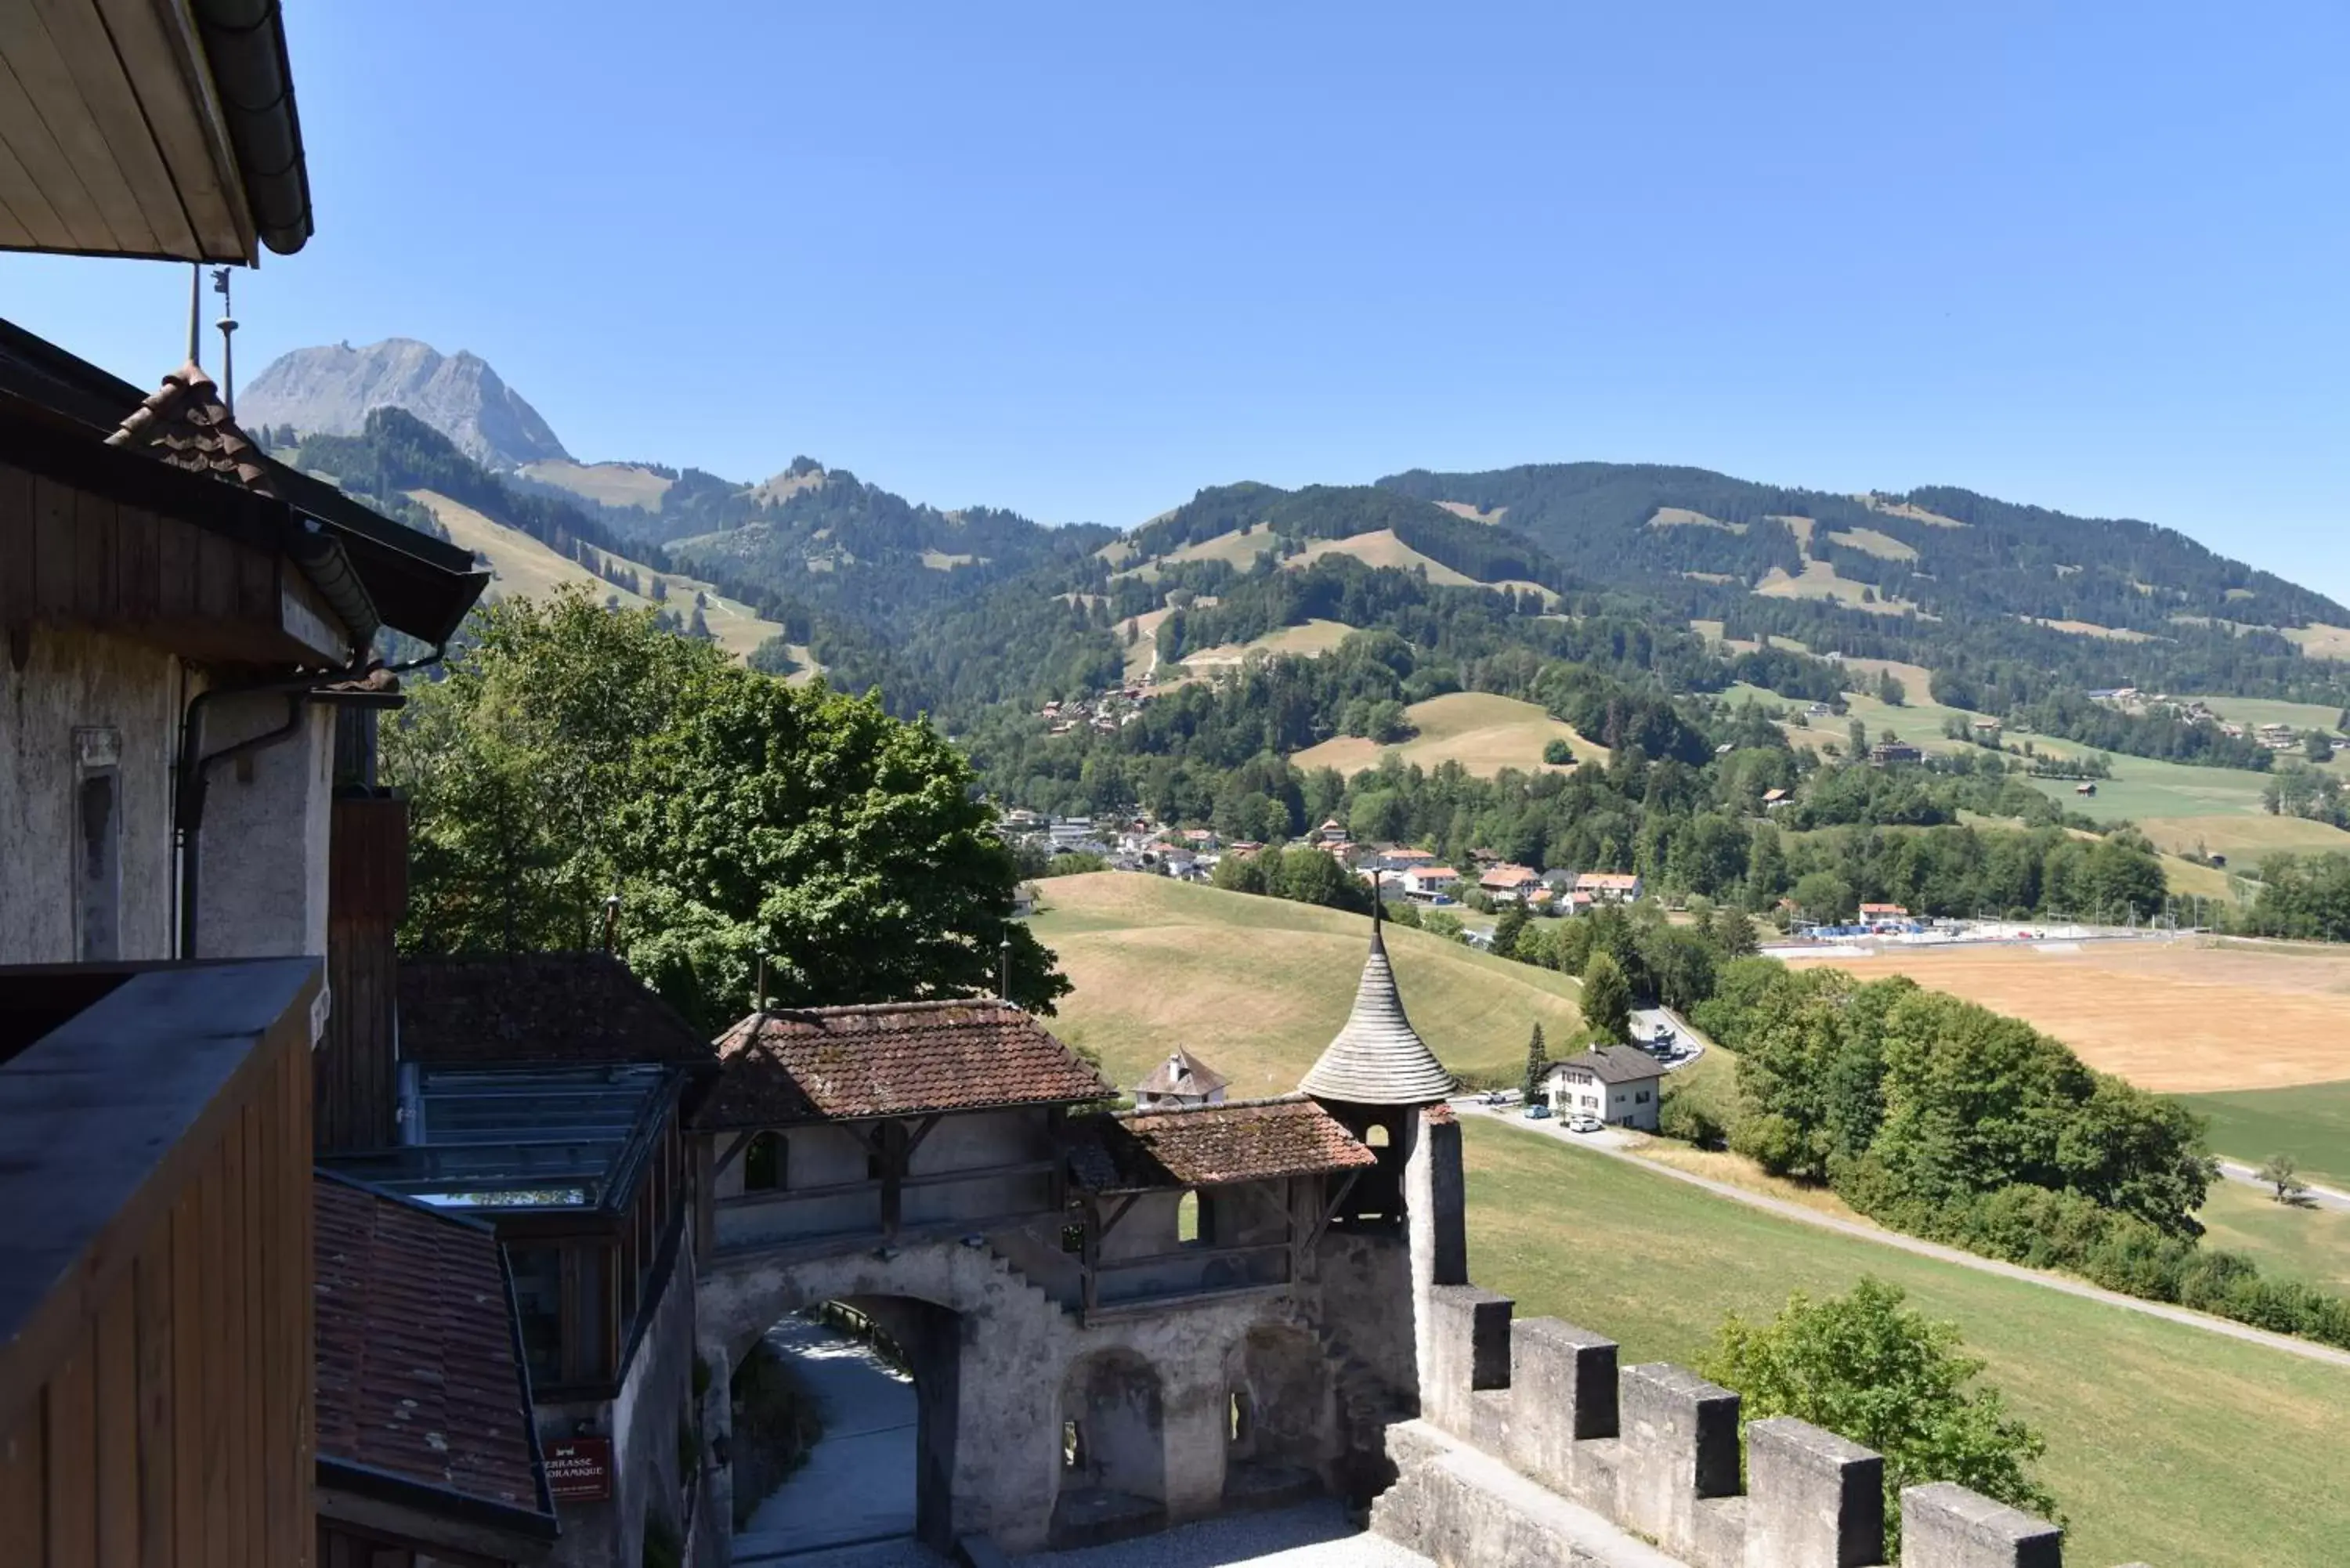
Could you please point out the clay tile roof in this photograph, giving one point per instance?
(537, 1007)
(1211, 1145)
(892, 1058)
(184, 422)
(1377, 1058)
(418, 1368)
(1183, 1073)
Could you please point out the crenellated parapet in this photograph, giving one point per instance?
(1650, 1449)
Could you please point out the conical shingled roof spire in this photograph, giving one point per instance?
(1378, 1059)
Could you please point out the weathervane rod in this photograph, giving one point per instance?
(195, 315)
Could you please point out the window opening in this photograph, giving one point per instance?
(1187, 1219)
(763, 1164)
(1238, 1417)
(1072, 1447)
(1377, 1137)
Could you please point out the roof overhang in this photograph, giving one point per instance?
(157, 128)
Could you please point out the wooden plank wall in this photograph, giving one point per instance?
(367, 892)
(67, 555)
(178, 1431)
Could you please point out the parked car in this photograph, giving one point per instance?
(1537, 1112)
(1498, 1097)
(1583, 1123)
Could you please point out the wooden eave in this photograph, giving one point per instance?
(116, 139)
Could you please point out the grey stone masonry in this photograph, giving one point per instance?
(1681, 1446)
(1816, 1498)
(1469, 1350)
(1529, 1427)
(1947, 1526)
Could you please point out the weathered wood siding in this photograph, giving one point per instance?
(367, 891)
(156, 1408)
(68, 556)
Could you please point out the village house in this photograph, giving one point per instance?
(1508, 883)
(1883, 913)
(196, 917)
(1621, 1085)
(1609, 887)
(1332, 834)
(1430, 883)
(1887, 752)
(1404, 857)
(1773, 799)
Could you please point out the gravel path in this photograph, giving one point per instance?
(2308, 1349)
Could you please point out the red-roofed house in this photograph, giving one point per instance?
(1609, 887)
(1426, 883)
(1509, 884)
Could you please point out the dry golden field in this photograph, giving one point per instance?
(2184, 1017)
(1483, 733)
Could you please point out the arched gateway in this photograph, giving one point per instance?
(1119, 1321)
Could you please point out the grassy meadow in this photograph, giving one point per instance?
(1256, 986)
(2297, 1243)
(2166, 1444)
(2310, 1122)
(1481, 732)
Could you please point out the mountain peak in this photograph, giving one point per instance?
(331, 390)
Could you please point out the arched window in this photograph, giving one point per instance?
(1187, 1219)
(764, 1163)
(1377, 1137)
(1073, 1446)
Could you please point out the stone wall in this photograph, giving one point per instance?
(1653, 1449)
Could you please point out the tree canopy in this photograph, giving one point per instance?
(1868, 1368)
(572, 754)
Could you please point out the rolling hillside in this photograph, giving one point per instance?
(1483, 733)
(522, 565)
(1256, 986)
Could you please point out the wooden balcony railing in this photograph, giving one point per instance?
(155, 1263)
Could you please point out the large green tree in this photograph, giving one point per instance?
(573, 754)
(1869, 1369)
(1606, 1000)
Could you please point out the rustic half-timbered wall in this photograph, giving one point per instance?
(155, 1400)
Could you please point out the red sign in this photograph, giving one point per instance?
(579, 1470)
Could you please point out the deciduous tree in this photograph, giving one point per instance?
(1868, 1368)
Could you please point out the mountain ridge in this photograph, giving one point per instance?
(331, 390)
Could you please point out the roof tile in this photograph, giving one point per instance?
(1211, 1145)
(537, 1007)
(418, 1374)
(886, 1059)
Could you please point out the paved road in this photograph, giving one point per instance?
(857, 1485)
(2317, 1196)
(1615, 1147)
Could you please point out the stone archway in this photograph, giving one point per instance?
(1113, 1450)
(960, 1315)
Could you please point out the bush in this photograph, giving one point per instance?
(1556, 751)
(1869, 1369)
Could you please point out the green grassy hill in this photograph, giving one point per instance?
(2310, 1122)
(2165, 1443)
(1256, 986)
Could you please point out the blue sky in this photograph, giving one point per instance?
(1082, 260)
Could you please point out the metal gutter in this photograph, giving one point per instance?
(245, 47)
